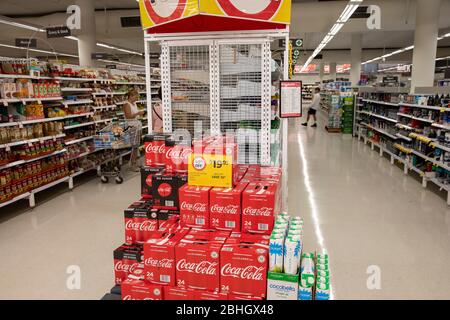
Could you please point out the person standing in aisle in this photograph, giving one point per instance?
(157, 120)
(314, 106)
(132, 112)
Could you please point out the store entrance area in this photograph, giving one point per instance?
(383, 230)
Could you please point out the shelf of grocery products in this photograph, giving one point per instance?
(379, 116)
(105, 120)
(403, 137)
(30, 141)
(414, 118)
(109, 107)
(380, 131)
(75, 102)
(380, 102)
(423, 106)
(68, 89)
(20, 162)
(75, 141)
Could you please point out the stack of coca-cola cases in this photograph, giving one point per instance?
(197, 243)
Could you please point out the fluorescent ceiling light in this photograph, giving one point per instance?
(8, 21)
(349, 9)
(38, 50)
(104, 45)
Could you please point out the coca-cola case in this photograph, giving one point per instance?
(194, 206)
(259, 206)
(146, 180)
(141, 221)
(165, 190)
(159, 257)
(155, 150)
(198, 260)
(225, 207)
(206, 295)
(177, 156)
(244, 267)
(126, 260)
(137, 289)
(176, 293)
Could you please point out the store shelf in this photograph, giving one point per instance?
(20, 162)
(18, 76)
(67, 89)
(102, 94)
(87, 114)
(25, 122)
(421, 155)
(79, 125)
(404, 126)
(441, 126)
(51, 184)
(30, 141)
(380, 102)
(19, 197)
(381, 131)
(402, 148)
(379, 116)
(109, 107)
(84, 154)
(440, 146)
(421, 137)
(403, 137)
(119, 93)
(105, 120)
(424, 107)
(9, 124)
(25, 100)
(131, 83)
(75, 102)
(71, 142)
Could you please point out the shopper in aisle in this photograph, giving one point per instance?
(313, 107)
(132, 112)
(157, 121)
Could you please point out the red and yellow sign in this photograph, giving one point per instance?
(159, 12)
(278, 11)
(207, 170)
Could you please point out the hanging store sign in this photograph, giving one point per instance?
(159, 12)
(99, 56)
(206, 170)
(291, 99)
(26, 43)
(296, 43)
(58, 32)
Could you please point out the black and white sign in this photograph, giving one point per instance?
(291, 99)
(111, 66)
(58, 32)
(99, 56)
(390, 79)
(296, 43)
(26, 43)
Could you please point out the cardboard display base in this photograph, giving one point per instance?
(333, 130)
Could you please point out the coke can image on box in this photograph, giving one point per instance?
(225, 208)
(176, 293)
(165, 190)
(136, 289)
(155, 150)
(198, 261)
(146, 180)
(177, 157)
(244, 267)
(126, 260)
(194, 206)
(159, 257)
(259, 206)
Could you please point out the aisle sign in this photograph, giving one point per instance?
(291, 99)
(207, 170)
(58, 32)
(26, 43)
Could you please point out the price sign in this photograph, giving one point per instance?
(207, 170)
(291, 99)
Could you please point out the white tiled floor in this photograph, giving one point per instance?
(356, 205)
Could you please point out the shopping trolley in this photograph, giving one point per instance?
(117, 136)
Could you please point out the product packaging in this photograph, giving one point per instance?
(194, 206)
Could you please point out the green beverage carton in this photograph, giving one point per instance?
(323, 291)
(323, 273)
(322, 267)
(322, 261)
(323, 256)
(276, 252)
(305, 290)
(320, 279)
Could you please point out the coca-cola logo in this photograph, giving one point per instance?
(197, 207)
(147, 225)
(154, 148)
(229, 209)
(246, 273)
(264, 211)
(178, 155)
(203, 267)
(125, 267)
(163, 263)
(165, 190)
(148, 180)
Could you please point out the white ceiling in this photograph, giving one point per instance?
(311, 19)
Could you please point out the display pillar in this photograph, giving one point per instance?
(87, 41)
(333, 71)
(356, 55)
(321, 71)
(425, 43)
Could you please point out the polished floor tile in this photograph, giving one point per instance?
(364, 211)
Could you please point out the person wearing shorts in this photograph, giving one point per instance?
(315, 105)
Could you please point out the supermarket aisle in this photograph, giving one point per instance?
(79, 228)
(365, 212)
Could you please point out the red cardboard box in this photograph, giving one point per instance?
(194, 206)
(146, 181)
(240, 297)
(260, 203)
(244, 267)
(134, 289)
(159, 257)
(176, 293)
(226, 207)
(198, 260)
(165, 190)
(205, 295)
(127, 259)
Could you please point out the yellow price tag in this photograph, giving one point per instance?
(207, 170)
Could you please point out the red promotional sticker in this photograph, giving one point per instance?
(252, 9)
(165, 11)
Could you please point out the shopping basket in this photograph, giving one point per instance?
(117, 136)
